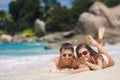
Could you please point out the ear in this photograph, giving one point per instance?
(60, 53)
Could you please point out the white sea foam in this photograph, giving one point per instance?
(23, 63)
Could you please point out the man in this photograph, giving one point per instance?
(66, 59)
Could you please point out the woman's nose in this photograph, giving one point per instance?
(82, 55)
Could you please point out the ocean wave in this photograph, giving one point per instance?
(10, 64)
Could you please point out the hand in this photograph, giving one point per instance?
(83, 62)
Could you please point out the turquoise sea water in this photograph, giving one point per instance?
(24, 49)
(21, 57)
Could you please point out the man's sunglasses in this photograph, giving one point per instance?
(83, 53)
(67, 54)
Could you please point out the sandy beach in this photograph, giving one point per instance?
(111, 73)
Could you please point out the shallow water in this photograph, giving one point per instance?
(20, 57)
(24, 49)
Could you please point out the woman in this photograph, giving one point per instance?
(94, 60)
(89, 59)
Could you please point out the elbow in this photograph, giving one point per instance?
(98, 68)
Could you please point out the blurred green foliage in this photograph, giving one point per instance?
(28, 32)
(111, 3)
(23, 13)
(39, 33)
(2, 32)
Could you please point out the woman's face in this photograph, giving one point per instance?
(67, 55)
(83, 54)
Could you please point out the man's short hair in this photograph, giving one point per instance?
(66, 46)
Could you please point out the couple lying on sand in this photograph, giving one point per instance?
(86, 58)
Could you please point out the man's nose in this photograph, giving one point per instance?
(67, 56)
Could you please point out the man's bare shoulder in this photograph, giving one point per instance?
(56, 60)
(75, 63)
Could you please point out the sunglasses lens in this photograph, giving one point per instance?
(64, 55)
(69, 55)
(79, 55)
(85, 52)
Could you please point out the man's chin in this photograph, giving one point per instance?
(67, 61)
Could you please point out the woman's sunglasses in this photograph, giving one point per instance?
(83, 53)
(67, 54)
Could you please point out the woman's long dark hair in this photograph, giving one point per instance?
(84, 45)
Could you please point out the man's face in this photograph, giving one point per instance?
(67, 55)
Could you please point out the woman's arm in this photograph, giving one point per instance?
(95, 66)
(103, 51)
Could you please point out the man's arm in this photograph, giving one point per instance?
(81, 68)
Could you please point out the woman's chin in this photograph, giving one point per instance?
(86, 59)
